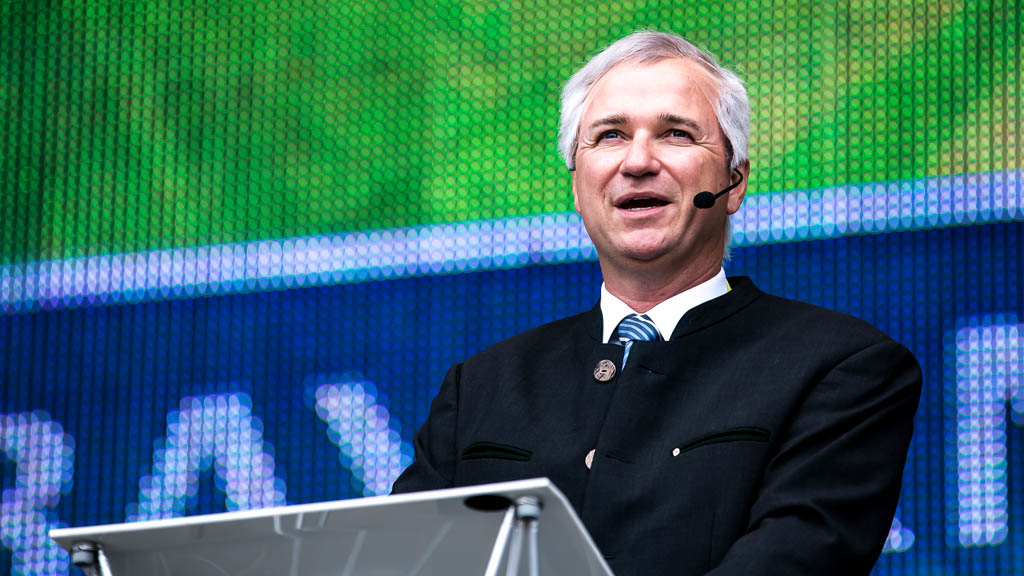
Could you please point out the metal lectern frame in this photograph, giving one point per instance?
(437, 532)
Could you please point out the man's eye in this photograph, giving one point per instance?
(680, 134)
(610, 135)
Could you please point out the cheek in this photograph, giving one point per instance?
(689, 161)
(585, 186)
(695, 174)
(597, 167)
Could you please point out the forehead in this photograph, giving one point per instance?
(674, 86)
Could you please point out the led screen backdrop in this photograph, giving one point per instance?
(241, 242)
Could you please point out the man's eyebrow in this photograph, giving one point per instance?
(665, 118)
(613, 120)
(673, 119)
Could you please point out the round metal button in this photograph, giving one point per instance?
(604, 371)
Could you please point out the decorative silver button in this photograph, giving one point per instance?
(604, 371)
(675, 451)
(589, 460)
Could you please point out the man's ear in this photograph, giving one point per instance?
(737, 194)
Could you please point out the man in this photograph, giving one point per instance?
(696, 424)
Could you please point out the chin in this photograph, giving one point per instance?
(644, 254)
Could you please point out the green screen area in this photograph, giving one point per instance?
(138, 125)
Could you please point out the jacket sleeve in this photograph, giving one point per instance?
(433, 466)
(828, 496)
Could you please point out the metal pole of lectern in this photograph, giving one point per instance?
(90, 558)
(521, 522)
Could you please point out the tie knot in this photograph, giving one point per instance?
(637, 328)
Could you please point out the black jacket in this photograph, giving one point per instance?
(766, 437)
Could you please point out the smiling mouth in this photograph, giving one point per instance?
(642, 203)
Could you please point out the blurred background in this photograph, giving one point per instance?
(242, 241)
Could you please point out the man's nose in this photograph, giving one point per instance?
(641, 158)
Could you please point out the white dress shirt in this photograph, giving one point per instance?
(666, 314)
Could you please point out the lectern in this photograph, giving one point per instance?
(521, 528)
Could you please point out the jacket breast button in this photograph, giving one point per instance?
(675, 451)
(589, 460)
(604, 371)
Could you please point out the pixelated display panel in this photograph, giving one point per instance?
(43, 459)
(218, 431)
(132, 125)
(368, 446)
(334, 380)
(989, 379)
(272, 213)
(488, 244)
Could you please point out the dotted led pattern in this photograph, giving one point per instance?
(217, 430)
(44, 458)
(989, 375)
(370, 443)
(489, 244)
(111, 374)
(135, 126)
(900, 538)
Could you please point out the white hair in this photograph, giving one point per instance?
(732, 105)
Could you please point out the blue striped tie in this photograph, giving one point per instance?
(632, 328)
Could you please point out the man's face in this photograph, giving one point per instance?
(649, 142)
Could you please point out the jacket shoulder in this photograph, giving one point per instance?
(799, 322)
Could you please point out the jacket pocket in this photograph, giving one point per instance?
(479, 450)
(738, 434)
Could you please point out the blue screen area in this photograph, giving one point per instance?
(311, 394)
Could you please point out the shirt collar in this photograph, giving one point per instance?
(666, 314)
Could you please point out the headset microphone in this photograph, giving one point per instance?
(707, 199)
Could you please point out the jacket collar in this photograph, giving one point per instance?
(715, 310)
